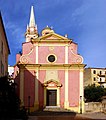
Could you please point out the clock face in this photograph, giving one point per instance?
(51, 58)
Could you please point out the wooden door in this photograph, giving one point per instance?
(51, 98)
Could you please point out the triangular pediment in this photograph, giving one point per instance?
(53, 36)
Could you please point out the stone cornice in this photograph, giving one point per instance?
(51, 41)
(68, 66)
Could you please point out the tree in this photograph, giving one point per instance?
(9, 101)
(94, 93)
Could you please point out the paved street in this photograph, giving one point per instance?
(55, 115)
(68, 116)
(57, 118)
(94, 115)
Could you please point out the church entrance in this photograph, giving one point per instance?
(51, 98)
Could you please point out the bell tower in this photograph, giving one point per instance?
(31, 31)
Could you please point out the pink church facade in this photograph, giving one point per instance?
(49, 72)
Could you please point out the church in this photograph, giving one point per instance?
(49, 71)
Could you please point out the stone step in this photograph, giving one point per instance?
(55, 109)
(52, 111)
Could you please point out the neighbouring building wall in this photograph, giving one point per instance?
(4, 50)
(10, 70)
(95, 76)
(87, 77)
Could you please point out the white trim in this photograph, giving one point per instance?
(81, 97)
(81, 83)
(58, 96)
(66, 103)
(36, 87)
(51, 44)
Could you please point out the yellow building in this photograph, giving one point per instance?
(4, 50)
(95, 76)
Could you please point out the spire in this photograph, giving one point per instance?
(32, 18)
(31, 31)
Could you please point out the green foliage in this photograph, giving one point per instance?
(94, 93)
(9, 101)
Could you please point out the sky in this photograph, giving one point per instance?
(83, 20)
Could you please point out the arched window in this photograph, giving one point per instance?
(100, 79)
(94, 79)
(100, 72)
(94, 71)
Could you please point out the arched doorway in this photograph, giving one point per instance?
(52, 93)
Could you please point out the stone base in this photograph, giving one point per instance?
(66, 104)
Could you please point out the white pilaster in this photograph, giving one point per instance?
(81, 91)
(81, 83)
(22, 86)
(58, 96)
(36, 90)
(66, 103)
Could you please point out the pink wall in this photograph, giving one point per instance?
(73, 46)
(61, 75)
(32, 56)
(16, 77)
(74, 87)
(5, 52)
(73, 55)
(41, 88)
(43, 53)
(26, 47)
(29, 89)
(42, 74)
(59, 51)
(30, 50)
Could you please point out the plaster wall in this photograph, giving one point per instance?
(29, 87)
(58, 51)
(73, 88)
(61, 75)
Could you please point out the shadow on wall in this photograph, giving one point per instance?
(33, 90)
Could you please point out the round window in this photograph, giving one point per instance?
(51, 58)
